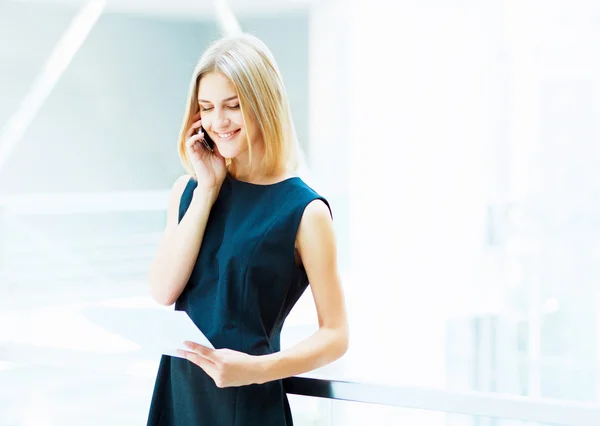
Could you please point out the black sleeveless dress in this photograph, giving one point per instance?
(243, 286)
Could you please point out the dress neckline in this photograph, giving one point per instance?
(261, 185)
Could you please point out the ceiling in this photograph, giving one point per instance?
(187, 9)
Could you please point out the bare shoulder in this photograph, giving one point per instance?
(316, 221)
(180, 184)
(175, 197)
(316, 210)
(316, 241)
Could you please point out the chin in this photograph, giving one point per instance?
(231, 151)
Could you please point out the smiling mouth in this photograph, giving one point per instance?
(226, 136)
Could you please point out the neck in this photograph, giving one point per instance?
(242, 169)
(255, 174)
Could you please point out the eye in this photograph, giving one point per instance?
(205, 109)
(236, 106)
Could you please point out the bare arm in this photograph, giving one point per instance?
(179, 246)
(317, 247)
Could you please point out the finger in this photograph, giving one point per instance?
(195, 346)
(216, 151)
(200, 361)
(202, 351)
(193, 139)
(195, 125)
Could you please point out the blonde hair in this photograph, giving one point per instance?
(250, 66)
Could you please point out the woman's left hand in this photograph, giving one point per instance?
(226, 367)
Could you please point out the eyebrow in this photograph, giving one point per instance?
(224, 100)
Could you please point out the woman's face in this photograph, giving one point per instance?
(222, 117)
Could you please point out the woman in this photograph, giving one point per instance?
(244, 238)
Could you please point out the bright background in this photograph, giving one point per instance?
(457, 141)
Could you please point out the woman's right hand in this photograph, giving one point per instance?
(209, 167)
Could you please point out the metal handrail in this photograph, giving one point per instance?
(486, 404)
(495, 405)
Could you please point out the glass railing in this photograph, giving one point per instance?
(88, 393)
(353, 403)
(314, 412)
(56, 368)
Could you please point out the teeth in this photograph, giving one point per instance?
(225, 135)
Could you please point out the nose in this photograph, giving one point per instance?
(221, 120)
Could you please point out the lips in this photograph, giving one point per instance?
(227, 135)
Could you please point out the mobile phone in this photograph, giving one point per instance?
(206, 140)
